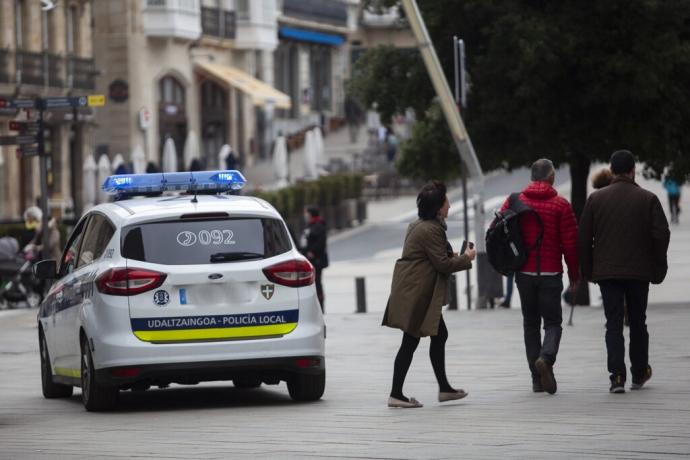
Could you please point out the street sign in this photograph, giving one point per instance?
(96, 100)
(27, 151)
(26, 139)
(8, 140)
(23, 103)
(17, 140)
(68, 102)
(24, 127)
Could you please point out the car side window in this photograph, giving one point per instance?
(96, 237)
(69, 256)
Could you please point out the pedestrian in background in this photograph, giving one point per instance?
(510, 280)
(314, 244)
(622, 243)
(353, 117)
(419, 290)
(673, 191)
(602, 178)
(540, 280)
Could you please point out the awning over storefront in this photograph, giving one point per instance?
(260, 92)
(310, 36)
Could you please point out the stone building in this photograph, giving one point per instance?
(46, 53)
(233, 72)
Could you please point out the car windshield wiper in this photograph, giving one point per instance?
(232, 256)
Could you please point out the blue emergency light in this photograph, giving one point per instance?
(154, 183)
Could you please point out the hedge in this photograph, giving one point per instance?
(323, 192)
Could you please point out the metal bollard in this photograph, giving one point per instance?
(361, 295)
(453, 294)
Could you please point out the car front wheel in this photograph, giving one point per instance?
(305, 387)
(95, 397)
(50, 389)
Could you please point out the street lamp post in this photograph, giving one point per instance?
(457, 129)
(460, 100)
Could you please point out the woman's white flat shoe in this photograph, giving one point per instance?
(412, 403)
(444, 396)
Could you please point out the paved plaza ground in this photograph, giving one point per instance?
(501, 418)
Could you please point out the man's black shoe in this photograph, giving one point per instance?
(548, 381)
(639, 383)
(536, 385)
(617, 384)
(504, 304)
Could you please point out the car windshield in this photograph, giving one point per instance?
(190, 242)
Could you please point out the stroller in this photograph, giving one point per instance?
(17, 284)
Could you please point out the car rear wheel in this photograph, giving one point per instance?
(50, 389)
(305, 387)
(96, 397)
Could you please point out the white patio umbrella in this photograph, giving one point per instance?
(280, 161)
(2, 183)
(191, 149)
(223, 154)
(319, 147)
(138, 160)
(310, 170)
(103, 173)
(118, 160)
(89, 186)
(169, 156)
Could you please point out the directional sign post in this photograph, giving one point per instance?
(31, 134)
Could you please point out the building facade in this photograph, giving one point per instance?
(234, 72)
(46, 53)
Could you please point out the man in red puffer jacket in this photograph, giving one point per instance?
(540, 280)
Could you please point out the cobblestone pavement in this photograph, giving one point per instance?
(501, 418)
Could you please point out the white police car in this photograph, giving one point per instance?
(179, 289)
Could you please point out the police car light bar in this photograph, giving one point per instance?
(196, 181)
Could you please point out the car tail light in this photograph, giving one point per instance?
(307, 362)
(293, 273)
(128, 281)
(125, 372)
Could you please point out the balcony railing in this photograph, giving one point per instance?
(81, 73)
(55, 66)
(31, 68)
(45, 69)
(323, 11)
(218, 23)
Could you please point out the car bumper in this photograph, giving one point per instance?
(269, 370)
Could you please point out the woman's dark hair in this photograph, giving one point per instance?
(430, 199)
(313, 211)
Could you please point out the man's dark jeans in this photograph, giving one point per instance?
(616, 293)
(541, 298)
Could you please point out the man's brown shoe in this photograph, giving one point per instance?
(548, 381)
(639, 383)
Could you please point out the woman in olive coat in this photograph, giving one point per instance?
(419, 291)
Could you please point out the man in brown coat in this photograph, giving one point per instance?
(622, 244)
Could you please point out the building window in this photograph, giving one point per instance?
(242, 7)
(72, 29)
(216, 21)
(171, 91)
(20, 23)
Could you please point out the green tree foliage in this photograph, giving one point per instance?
(430, 151)
(572, 80)
(393, 79)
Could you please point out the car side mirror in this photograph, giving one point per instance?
(45, 270)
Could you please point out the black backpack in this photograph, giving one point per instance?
(505, 248)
